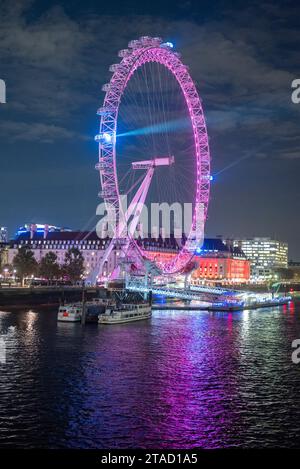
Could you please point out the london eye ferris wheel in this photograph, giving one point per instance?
(153, 142)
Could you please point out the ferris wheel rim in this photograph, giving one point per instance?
(141, 52)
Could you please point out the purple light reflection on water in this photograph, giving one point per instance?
(181, 380)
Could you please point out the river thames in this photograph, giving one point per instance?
(184, 379)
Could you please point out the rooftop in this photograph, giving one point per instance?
(210, 245)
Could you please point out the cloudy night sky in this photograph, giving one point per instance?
(243, 56)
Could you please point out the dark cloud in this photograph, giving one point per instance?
(243, 59)
(36, 132)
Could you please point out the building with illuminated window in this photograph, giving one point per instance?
(216, 261)
(59, 242)
(265, 255)
(38, 228)
(220, 262)
(89, 244)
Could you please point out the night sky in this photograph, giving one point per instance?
(54, 57)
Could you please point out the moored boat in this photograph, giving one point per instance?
(70, 312)
(95, 308)
(126, 313)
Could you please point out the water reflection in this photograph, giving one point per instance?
(183, 379)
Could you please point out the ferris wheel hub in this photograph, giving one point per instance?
(146, 164)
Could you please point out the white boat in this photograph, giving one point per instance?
(70, 312)
(126, 313)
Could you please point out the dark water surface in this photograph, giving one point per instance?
(183, 379)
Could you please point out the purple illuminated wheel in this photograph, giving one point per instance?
(152, 109)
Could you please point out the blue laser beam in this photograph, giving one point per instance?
(171, 126)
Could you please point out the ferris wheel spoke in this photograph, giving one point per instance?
(157, 103)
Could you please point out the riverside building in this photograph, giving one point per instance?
(265, 255)
(216, 261)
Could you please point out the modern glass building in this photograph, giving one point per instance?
(266, 255)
